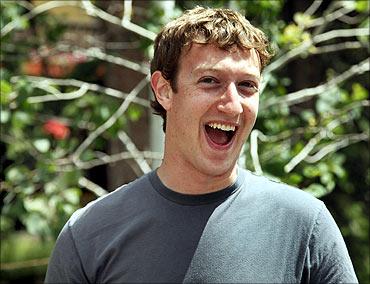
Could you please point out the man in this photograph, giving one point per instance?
(198, 217)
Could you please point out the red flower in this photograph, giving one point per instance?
(56, 128)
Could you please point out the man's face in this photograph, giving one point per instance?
(214, 109)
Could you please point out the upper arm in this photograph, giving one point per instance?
(328, 257)
(65, 265)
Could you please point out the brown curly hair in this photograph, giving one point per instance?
(220, 26)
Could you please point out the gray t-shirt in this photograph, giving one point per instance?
(254, 231)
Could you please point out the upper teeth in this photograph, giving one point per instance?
(223, 127)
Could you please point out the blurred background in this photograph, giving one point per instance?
(76, 121)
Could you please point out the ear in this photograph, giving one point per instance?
(162, 90)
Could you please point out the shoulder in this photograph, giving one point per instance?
(280, 196)
(110, 209)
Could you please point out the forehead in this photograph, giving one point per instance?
(201, 57)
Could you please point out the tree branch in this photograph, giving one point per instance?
(306, 94)
(131, 147)
(306, 45)
(92, 10)
(305, 151)
(326, 132)
(76, 83)
(107, 124)
(24, 264)
(313, 7)
(332, 147)
(59, 96)
(91, 186)
(109, 159)
(96, 52)
(337, 47)
(329, 17)
(127, 11)
(254, 152)
(36, 11)
(340, 33)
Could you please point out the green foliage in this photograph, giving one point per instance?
(40, 186)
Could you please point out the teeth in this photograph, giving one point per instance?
(223, 127)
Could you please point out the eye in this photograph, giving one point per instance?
(249, 86)
(208, 80)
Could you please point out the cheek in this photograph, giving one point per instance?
(251, 107)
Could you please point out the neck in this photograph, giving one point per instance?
(188, 180)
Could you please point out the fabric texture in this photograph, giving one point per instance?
(255, 231)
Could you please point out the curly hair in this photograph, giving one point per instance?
(220, 26)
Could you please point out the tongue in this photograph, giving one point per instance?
(217, 136)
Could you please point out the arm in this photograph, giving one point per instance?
(328, 260)
(65, 264)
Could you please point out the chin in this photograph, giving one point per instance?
(219, 169)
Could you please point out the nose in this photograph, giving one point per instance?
(230, 101)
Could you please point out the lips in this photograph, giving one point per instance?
(220, 135)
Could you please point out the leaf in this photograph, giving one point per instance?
(37, 204)
(294, 179)
(302, 19)
(72, 195)
(21, 119)
(16, 174)
(42, 145)
(311, 171)
(359, 93)
(22, 22)
(317, 190)
(35, 224)
(6, 223)
(4, 116)
(134, 113)
(362, 5)
(5, 90)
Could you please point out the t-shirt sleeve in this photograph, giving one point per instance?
(328, 260)
(65, 264)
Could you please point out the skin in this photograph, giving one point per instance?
(214, 85)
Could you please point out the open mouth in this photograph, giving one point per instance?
(220, 134)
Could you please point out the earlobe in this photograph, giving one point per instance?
(162, 90)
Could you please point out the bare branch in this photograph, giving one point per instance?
(25, 4)
(306, 45)
(329, 17)
(254, 152)
(313, 7)
(326, 132)
(91, 186)
(107, 124)
(131, 147)
(332, 147)
(340, 33)
(127, 11)
(36, 11)
(304, 152)
(109, 159)
(332, 6)
(59, 96)
(76, 83)
(24, 264)
(96, 52)
(306, 94)
(351, 20)
(92, 10)
(337, 47)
